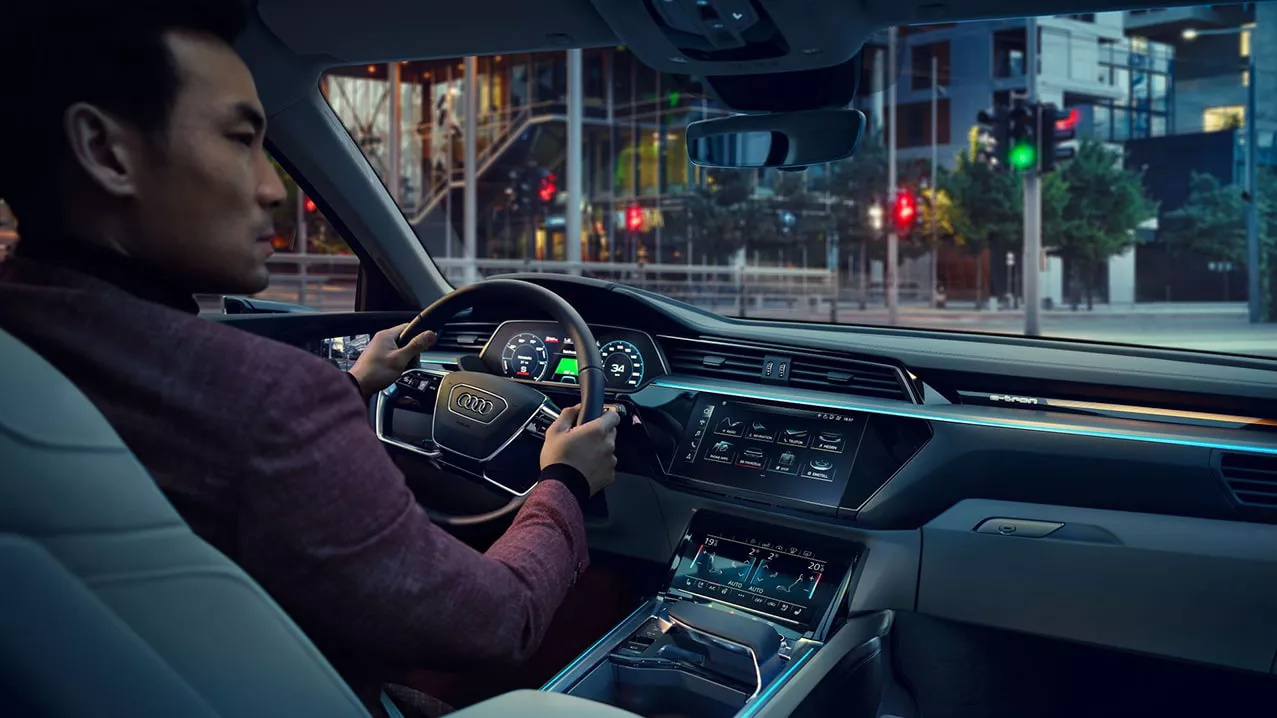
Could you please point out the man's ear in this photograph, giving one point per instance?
(103, 147)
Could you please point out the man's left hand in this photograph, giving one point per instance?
(382, 361)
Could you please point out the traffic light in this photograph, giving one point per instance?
(993, 137)
(519, 192)
(548, 188)
(1022, 153)
(633, 218)
(1058, 127)
(905, 212)
(310, 205)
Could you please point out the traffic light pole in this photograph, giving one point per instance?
(1254, 300)
(575, 168)
(1032, 253)
(893, 242)
(1033, 197)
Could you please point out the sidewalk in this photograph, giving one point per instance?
(1124, 311)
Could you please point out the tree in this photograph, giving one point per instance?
(1212, 223)
(854, 185)
(1103, 205)
(985, 212)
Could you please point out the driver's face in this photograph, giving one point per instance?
(203, 205)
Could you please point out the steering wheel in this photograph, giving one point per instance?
(482, 421)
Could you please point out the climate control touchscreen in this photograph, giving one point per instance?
(787, 575)
(801, 454)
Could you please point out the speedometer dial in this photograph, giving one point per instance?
(622, 365)
(525, 357)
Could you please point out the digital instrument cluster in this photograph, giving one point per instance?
(542, 351)
(786, 575)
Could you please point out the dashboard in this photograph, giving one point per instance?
(540, 351)
(888, 428)
(1098, 487)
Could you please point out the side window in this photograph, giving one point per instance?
(8, 230)
(312, 265)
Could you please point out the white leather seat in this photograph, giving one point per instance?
(111, 606)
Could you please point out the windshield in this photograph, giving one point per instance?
(1146, 235)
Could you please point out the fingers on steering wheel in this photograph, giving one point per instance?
(422, 341)
(609, 420)
(566, 420)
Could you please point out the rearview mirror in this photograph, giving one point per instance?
(791, 139)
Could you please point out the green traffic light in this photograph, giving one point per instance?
(1023, 157)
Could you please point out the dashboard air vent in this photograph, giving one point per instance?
(719, 361)
(847, 376)
(465, 337)
(1251, 478)
(784, 366)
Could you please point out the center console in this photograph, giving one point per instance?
(745, 607)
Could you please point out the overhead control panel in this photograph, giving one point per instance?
(737, 37)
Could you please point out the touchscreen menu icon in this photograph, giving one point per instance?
(759, 431)
(819, 468)
(794, 437)
(828, 441)
(786, 463)
(728, 426)
(721, 451)
(752, 458)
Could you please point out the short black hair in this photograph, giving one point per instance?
(54, 53)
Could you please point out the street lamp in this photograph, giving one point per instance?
(1254, 303)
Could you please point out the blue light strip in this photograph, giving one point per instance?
(559, 676)
(917, 412)
(776, 685)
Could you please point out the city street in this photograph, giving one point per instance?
(1205, 327)
(1216, 327)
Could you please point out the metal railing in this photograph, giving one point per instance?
(492, 146)
(327, 282)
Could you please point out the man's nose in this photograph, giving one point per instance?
(270, 189)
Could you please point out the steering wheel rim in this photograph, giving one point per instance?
(590, 375)
(590, 379)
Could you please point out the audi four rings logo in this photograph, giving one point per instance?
(477, 404)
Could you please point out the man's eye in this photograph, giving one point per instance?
(246, 138)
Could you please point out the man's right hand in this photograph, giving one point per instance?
(589, 448)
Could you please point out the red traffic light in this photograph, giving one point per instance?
(1069, 122)
(634, 218)
(906, 210)
(549, 188)
(310, 205)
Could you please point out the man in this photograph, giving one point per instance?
(137, 173)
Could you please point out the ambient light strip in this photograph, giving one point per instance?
(914, 411)
(1153, 411)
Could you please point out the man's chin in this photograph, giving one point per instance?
(247, 283)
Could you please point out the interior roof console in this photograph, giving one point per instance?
(737, 37)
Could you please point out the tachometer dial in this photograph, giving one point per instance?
(525, 357)
(622, 365)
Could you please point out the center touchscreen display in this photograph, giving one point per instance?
(786, 575)
(796, 453)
